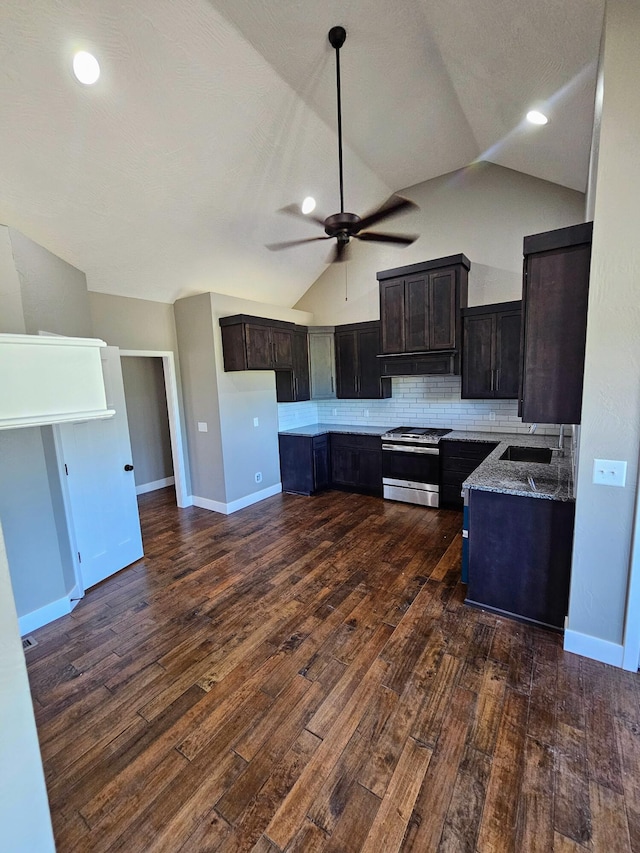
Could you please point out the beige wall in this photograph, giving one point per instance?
(133, 323)
(38, 291)
(611, 407)
(483, 211)
(11, 314)
(225, 459)
(54, 293)
(243, 396)
(24, 808)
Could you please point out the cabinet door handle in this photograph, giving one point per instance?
(493, 380)
(497, 379)
(295, 387)
(332, 389)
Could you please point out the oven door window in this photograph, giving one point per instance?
(416, 467)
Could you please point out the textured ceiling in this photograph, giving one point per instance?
(163, 179)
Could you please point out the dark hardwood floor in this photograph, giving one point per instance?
(304, 676)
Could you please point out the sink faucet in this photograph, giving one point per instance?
(561, 441)
(532, 428)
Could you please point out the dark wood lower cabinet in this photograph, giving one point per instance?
(304, 463)
(520, 556)
(458, 459)
(356, 463)
(309, 464)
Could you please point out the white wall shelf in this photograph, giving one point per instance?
(50, 379)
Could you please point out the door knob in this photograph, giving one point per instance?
(128, 467)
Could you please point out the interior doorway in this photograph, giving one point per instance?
(175, 430)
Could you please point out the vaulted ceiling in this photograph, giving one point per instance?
(164, 178)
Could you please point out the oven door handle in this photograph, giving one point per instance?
(403, 448)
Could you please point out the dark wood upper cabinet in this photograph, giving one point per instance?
(554, 324)
(357, 365)
(491, 351)
(346, 363)
(392, 300)
(256, 343)
(293, 386)
(443, 310)
(420, 307)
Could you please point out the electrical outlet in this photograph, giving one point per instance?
(492, 416)
(335, 412)
(609, 472)
(256, 422)
(258, 476)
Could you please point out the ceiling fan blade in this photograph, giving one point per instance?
(339, 253)
(275, 247)
(295, 210)
(394, 206)
(402, 239)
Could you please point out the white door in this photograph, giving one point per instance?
(100, 484)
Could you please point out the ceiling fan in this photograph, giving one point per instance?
(343, 226)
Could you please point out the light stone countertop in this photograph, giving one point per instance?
(348, 429)
(552, 481)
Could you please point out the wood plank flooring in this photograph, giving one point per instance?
(304, 676)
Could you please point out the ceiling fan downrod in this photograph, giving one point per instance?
(337, 36)
(343, 226)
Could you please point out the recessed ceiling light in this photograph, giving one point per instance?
(536, 117)
(309, 204)
(86, 67)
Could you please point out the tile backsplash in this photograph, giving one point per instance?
(416, 401)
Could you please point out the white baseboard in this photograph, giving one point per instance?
(43, 615)
(593, 647)
(156, 484)
(241, 503)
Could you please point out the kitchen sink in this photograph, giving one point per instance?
(513, 453)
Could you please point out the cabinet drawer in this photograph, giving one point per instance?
(466, 449)
(454, 465)
(360, 442)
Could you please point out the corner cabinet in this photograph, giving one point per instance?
(554, 329)
(491, 351)
(304, 463)
(420, 310)
(322, 362)
(458, 459)
(257, 343)
(357, 363)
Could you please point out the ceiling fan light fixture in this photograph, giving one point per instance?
(86, 67)
(343, 226)
(536, 117)
(308, 205)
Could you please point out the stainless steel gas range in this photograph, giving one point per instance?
(411, 465)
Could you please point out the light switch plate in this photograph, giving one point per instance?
(609, 472)
(202, 426)
(256, 422)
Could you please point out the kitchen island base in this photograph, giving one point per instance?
(520, 556)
